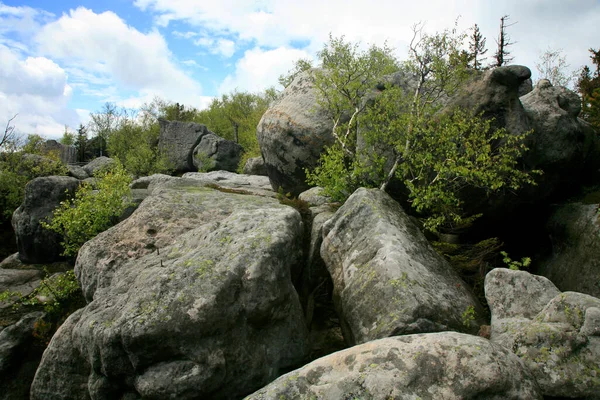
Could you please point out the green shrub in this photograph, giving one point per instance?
(91, 211)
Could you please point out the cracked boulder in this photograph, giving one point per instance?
(178, 140)
(556, 335)
(445, 365)
(190, 297)
(387, 278)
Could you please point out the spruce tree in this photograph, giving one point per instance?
(476, 48)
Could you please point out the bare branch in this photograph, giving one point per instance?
(9, 133)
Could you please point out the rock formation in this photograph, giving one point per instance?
(214, 153)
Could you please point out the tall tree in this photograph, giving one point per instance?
(552, 65)
(476, 48)
(588, 86)
(68, 138)
(104, 122)
(81, 142)
(8, 138)
(502, 54)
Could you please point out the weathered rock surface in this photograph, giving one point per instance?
(562, 145)
(214, 153)
(42, 196)
(292, 134)
(575, 261)
(315, 197)
(178, 140)
(77, 172)
(19, 357)
(444, 365)
(387, 278)
(147, 182)
(248, 184)
(191, 297)
(556, 335)
(23, 281)
(67, 154)
(255, 166)
(97, 164)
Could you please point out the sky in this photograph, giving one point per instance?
(62, 59)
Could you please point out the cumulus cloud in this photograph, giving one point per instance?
(36, 89)
(104, 46)
(259, 69)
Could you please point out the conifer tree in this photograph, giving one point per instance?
(501, 56)
(476, 48)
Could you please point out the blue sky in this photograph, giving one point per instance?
(63, 59)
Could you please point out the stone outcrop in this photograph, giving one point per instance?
(77, 172)
(574, 264)
(387, 278)
(562, 145)
(556, 335)
(190, 297)
(178, 140)
(292, 134)
(445, 365)
(255, 166)
(66, 154)
(214, 153)
(42, 196)
(223, 180)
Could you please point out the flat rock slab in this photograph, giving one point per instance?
(190, 297)
(387, 278)
(446, 365)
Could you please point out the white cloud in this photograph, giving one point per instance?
(105, 47)
(36, 89)
(259, 69)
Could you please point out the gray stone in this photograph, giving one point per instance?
(190, 297)
(387, 278)
(42, 196)
(562, 145)
(178, 140)
(445, 365)
(214, 153)
(147, 181)
(574, 264)
(14, 337)
(255, 166)
(315, 197)
(66, 154)
(97, 164)
(558, 342)
(249, 184)
(292, 134)
(23, 281)
(77, 172)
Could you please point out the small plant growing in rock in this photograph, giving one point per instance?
(468, 316)
(287, 199)
(514, 264)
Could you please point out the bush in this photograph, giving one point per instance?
(91, 211)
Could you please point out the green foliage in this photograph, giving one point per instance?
(588, 86)
(468, 316)
(91, 211)
(136, 147)
(514, 264)
(435, 156)
(59, 295)
(300, 65)
(68, 138)
(17, 168)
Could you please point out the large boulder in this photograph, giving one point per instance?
(255, 166)
(42, 196)
(67, 154)
(228, 181)
(562, 145)
(190, 297)
(574, 264)
(178, 140)
(445, 365)
(214, 153)
(387, 278)
(98, 164)
(292, 134)
(556, 335)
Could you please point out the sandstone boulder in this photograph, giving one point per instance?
(214, 153)
(292, 134)
(66, 154)
(387, 278)
(42, 196)
(224, 180)
(255, 166)
(147, 182)
(97, 164)
(445, 365)
(556, 335)
(178, 140)
(77, 172)
(190, 297)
